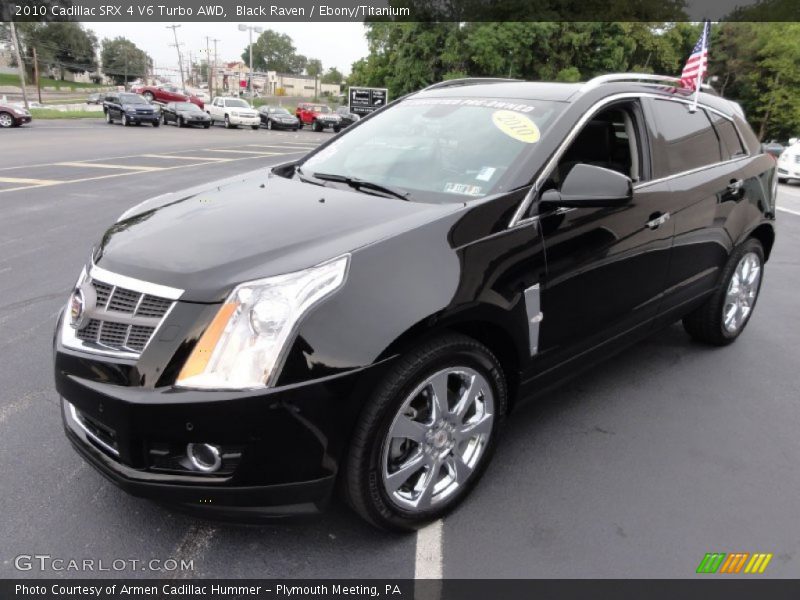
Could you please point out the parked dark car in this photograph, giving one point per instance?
(368, 315)
(130, 109)
(95, 98)
(184, 114)
(13, 116)
(277, 117)
(348, 118)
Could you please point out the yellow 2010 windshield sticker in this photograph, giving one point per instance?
(516, 125)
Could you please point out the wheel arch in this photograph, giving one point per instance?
(764, 233)
(482, 324)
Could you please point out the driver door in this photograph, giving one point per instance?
(606, 267)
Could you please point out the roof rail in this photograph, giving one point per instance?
(466, 81)
(640, 77)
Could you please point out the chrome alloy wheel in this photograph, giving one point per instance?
(6, 120)
(437, 438)
(742, 292)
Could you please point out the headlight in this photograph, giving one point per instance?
(234, 113)
(244, 346)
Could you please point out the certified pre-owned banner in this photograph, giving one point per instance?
(400, 10)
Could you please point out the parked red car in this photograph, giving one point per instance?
(13, 116)
(319, 116)
(166, 93)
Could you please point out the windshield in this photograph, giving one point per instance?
(187, 106)
(237, 103)
(319, 109)
(132, 99)
(442, 147)
(279, 111)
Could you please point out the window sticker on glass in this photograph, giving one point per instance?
(516, 126)
(463, 188)
(485, 174)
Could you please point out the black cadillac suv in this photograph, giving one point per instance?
(370, 314)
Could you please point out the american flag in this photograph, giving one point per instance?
(697, 65)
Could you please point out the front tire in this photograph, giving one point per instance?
(126, 121)
(156, 123)
(109, 118)
(255, 127)
(227, 123)
(426, 434)
(181, 122)
(724, 315)
(269, 124)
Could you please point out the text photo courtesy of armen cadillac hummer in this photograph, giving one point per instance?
(464, 300)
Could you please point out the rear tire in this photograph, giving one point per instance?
(724, 315)
(400, 482)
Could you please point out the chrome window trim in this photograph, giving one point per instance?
(517, 218)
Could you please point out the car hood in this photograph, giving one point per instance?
(208, 240)
(192, 113)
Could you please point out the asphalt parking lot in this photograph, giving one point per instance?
(634, 470)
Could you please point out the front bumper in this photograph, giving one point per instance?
(244, 120)
(289, 439)
(789, 171)
(22, 119)
(144, 118)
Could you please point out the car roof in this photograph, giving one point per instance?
(569, 92)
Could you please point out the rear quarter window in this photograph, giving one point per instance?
(730, 142)
(688, 138)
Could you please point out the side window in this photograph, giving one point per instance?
(610, 139)
(728, 136)
(689, 139)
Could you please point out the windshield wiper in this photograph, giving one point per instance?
(305, 179)
(360, 184)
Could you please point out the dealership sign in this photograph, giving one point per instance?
(364, 100)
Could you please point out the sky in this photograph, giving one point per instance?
(335, 44)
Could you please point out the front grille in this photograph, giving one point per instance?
(130, 302)
(797, 158)
(122, 319)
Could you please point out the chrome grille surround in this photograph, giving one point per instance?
(124, 317)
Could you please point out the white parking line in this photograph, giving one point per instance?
(428, 563)
(245, 152)
(95, 165)
(789, 210)
(200, 158)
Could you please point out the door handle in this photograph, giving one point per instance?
(735, 185)
(657, 220)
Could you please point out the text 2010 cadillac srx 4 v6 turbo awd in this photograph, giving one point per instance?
(367, 316)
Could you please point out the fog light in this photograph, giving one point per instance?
(204, 457)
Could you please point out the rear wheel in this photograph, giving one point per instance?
(724, 315)
(426, 434)
(337, 129)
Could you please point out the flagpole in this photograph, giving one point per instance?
(701, 66)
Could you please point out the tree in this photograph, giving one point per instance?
(123, 61)
(65, 46)
(333, 75)
(273, 51)
(314, 68)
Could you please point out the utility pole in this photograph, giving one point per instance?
(250, 28)
(36, 75)
(178, 48)
(20, 64)
(214, 68)
(126, 68)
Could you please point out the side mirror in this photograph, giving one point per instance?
(588, 185)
